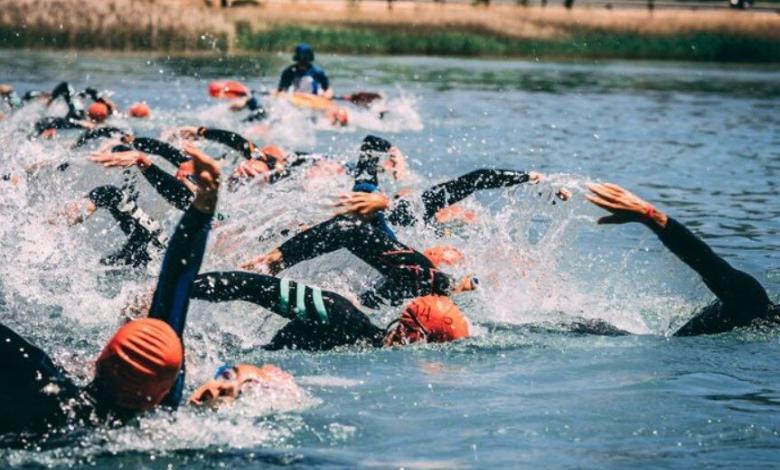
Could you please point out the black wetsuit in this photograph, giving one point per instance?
(38, 396)
(451, 192)
(97, 133)
(741, 298)
(407, 273)
(319, 320)
(140, 229)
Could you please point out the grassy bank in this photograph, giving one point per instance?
(698, 46)
(409, 28)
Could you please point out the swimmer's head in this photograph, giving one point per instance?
(273, 154)
(6, 89)
(304, 54)
(98, 112)
(140, 364)
(431, 319)
(139, 110)
(444, 255)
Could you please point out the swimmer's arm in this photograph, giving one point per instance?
(231, 139)
(158, 147)
(174, 191)
(728, 284)
(62, 89)
(186, 248)
(365, 205)
(448, 193)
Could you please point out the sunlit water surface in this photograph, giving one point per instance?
(703, 142)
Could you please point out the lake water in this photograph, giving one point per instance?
(700, 141)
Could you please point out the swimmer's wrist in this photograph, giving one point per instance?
(143, 162)
(653, 216)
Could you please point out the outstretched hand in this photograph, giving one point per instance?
(271, 261)
(623, 204)
(207, 179)
(188, 132)
(364, 205)
(121, 159)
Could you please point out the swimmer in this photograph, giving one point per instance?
(41, 397)
(741, 299)
(322, 320)
(304, 76)
(407, 273)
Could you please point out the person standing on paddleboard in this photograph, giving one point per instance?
(304, 76)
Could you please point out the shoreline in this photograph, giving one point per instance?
(368, 27)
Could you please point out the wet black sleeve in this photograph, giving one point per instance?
(51, 122)
(180, 266)
(231, 139)
(409, 271)
(741, 298)
(287, 79)
(63, 89)
(98, 133)
(158, 147)
(451, 192)
(33, 394)
(314, 311)
(730, 285)
(402, 213)
(173, 190)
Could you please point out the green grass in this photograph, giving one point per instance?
(702, 46)
(582, 44)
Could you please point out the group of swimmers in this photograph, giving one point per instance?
(142, 365)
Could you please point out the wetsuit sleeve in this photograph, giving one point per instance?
(402, 213)
(408, 271)
(51, 122)
(231, 139)
(163, 149)
(732, 286)
(451, 192)
(35, 389)
(286, 80)
(64, 90)
(93, 134)
(316, 312)
(173, 190)
(322, 78)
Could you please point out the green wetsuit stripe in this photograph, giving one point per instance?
(300, 304)
(284, 296)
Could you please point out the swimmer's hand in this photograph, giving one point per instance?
(251, 169)
(122, 159)
(396, 164)
(624, 205)
(535, 177)
(467, 283)
(188, 132)
(364, 205)
(207, 179)
(272, 261)
(239, 104)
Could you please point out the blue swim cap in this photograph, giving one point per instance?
(303, 53)
(221, 370)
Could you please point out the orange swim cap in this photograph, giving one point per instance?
(140, 364)
(446, 255)
(139, 110)
(440, 318)
(273, 151)
(185, 169)
(228, 89)
(98, 112)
